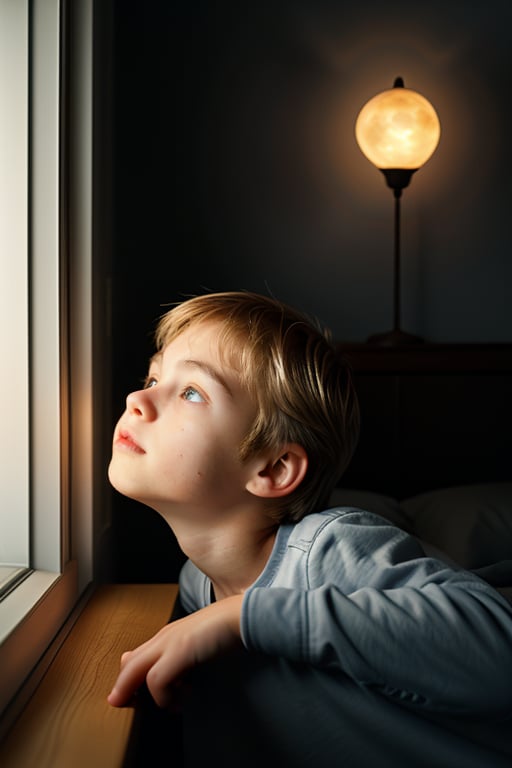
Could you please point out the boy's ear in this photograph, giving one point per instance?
(280, 476)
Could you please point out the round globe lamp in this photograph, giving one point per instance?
(397, 130)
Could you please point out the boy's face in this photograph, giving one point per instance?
(177, 443)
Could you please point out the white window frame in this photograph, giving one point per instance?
(59, 223)
(14, 454)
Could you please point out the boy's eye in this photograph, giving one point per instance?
(191, 394)
(150, 382)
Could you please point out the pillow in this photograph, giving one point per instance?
(385, 506)
(472, 523)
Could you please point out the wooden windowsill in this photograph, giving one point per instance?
(68, 721)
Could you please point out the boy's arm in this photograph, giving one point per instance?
(396, 622)
(167, 656)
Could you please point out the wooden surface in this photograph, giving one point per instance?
(68, 722)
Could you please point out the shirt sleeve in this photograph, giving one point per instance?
(394, 621)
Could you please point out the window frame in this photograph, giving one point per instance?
(60, 226)
(14, 454)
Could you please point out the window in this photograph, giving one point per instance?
(46, 321)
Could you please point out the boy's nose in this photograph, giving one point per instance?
(141, 404)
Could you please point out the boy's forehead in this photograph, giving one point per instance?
(206, 337)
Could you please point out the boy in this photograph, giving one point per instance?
(323, 635)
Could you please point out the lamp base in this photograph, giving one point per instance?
(394, 338)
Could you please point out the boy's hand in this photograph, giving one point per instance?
(176, 648)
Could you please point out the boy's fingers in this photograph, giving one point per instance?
(125, 658)
(175, 649)
(132, 675)
(161, 681)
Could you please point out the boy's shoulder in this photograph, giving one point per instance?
(345, 546)
(338, 533)
(332, 520)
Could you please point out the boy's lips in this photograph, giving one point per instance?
(125, 440)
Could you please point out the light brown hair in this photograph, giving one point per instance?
(301, 384)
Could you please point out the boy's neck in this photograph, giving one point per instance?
(232, 553)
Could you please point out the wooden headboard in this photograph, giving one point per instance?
(432, 416)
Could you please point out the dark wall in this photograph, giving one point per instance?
(235, 166)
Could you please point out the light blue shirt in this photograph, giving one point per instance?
(354, 598)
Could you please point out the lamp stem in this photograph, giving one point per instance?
(397, 298)
(396, 179)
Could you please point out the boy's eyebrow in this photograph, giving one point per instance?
(210, 371)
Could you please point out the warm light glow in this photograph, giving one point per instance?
(398, 128)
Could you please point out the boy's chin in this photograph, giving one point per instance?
(123, 485)
(111, 474)
(117, 481)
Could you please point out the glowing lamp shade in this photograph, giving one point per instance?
(398, 128)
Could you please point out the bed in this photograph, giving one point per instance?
(435, 454)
